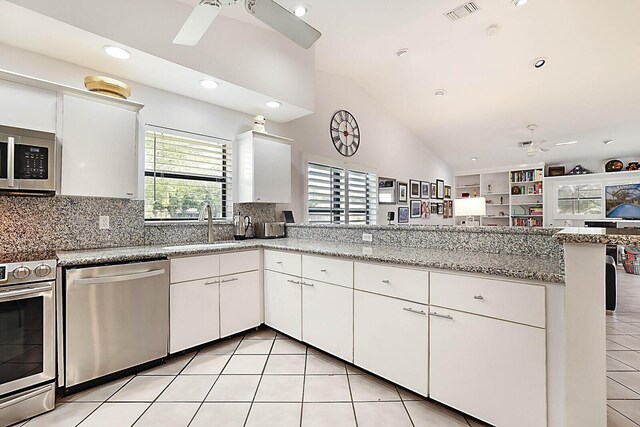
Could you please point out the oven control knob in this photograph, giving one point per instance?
(21, 272)
(43, 270)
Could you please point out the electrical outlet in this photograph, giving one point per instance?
(366, 237)
(104, 222)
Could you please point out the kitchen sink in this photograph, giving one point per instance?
(202, 246)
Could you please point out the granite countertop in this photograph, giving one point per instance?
(514, 266)
(603, 236)
(11, 257)
(540, 231)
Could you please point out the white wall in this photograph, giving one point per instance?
(386, 145)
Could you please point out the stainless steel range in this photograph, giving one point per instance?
(27, 337)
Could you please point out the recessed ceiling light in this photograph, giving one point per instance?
(274, 104)
(300, 11)
(519, 2)
(402, 52)
(493, 30)
(608, 141)
(209, 84)
(440, 92)
(117, 52)
(539, 62)
(474, 159)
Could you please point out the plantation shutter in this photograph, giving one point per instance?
(326, 194)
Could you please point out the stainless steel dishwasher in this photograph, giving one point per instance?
(116, 317)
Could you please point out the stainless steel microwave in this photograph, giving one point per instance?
(27, 161)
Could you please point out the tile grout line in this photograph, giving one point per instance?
(405, 406)
(214, 383)
(246, 420)
(101, 403)
(304, 382)
(623, 415)
(353, 405)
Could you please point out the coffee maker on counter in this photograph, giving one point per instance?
(242, 227)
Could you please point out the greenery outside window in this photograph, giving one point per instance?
(579, 201)
(183, 172)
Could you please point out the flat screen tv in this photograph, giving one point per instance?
(623, 201)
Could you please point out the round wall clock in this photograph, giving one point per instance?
(345, 133)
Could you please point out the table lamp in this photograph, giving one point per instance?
(470, 207)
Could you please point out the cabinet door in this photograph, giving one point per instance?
(27, 107)
(282, 303)
(272, 172)
(98, 150)
(240, 303)
(391, 339)
(327, 318)
(491, 369)
(194, 315)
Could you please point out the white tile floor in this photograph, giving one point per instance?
(259, 380)
(623, 355)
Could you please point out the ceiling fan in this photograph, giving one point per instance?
(535, 147)
(268, 11)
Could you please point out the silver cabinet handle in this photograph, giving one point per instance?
(307, 284)
(324, 270)
(122, 278)
(294, 282)
(211, 283)
(10, 160)
(386, 282)
(229, 280)
(411, 310)
(442, 316)
(478, 297)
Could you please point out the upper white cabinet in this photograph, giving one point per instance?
(27, 107)
(261, 169)
(98, 149)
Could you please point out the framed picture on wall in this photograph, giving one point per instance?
(439, 189)
(403, 215)
(447, 191)
(403, 190)
(386, 191)
(415, 208)
(434, 208)
(440, 208)
(434, 190)
(450, 203)
(425, 209)
(425, 189)
(414, 189)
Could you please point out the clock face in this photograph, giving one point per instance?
(345, 133)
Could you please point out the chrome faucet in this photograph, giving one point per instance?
(207, 208)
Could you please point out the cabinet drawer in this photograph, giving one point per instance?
(239, 262)
(194, 268)
(515, 302)
(283, 262)
(330, 270)
(412, 285)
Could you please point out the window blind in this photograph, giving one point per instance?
(363, 196)
(183, 173)
(326, 194)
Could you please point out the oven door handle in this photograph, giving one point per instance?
(24, 291)
(22, 397)
(11, 152)
(122, 278)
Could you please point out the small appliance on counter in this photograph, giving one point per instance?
(242, 227)
(270, 230)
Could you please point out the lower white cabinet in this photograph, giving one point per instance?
(240, 303)
(283, 303)
(491, 369)
(194, 314)
(391, 339)
(327, 318)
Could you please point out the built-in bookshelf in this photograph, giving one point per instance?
(504, 208)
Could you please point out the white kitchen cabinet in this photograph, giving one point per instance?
(261, 168)
(283, 303)
(328, 269)
(194, 314)
(391, 339)
(98, 149)
(240, 303)
(27, 107)
(194, 267)
(491, 369)
(327, 318)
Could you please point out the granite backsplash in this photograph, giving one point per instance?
(29, 224)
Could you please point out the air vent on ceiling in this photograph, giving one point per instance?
(462, 11)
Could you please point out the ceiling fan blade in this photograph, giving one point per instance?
(283, 21)
(565, 143)
(545, 150)
(532, 153)
(197, 23)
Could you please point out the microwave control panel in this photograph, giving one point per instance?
(3, 273)
(33, 162)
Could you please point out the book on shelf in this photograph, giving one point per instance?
(526, 175)
(526, 222)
